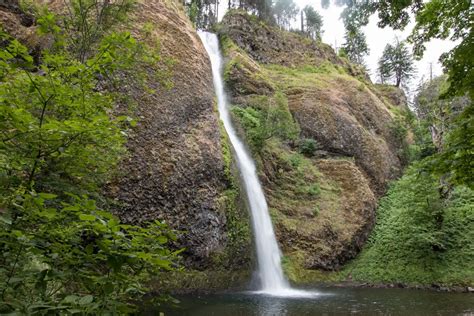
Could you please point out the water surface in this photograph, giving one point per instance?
(329, 301)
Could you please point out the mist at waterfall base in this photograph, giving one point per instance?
(270, 274)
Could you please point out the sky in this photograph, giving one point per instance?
(377, 38)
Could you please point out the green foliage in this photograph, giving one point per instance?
(237, 222)
(285, 11)
(457, 158)
(59, 142)
(342, 53)
(396, 63)
(314, 22)
(419, 237)
(449, 125)
(312, 190)
(66, 258)
(239, 236)
(84, 24)
(355, 46)
(308, 146)
(440, 19)
(399, 130)
(203, 13)
(274, 120)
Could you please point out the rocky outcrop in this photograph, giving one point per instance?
(323, 209)
(269, 45)
(175, 170)
(395, 96)
(348, 120)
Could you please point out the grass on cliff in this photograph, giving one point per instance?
(419, 238)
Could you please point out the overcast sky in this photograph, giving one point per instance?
(376, 38)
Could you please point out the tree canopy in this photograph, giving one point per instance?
(355, 46)
(285, 11)
(313, 22)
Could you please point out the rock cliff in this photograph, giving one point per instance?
(322, 203)
(176, 169)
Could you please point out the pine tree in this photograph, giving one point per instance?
(384, 65)
(355, 46)
(396, 64)
(314, 22)
(285, 11)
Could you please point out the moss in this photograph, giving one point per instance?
(293, 266)
(323, 68)
(227, 45)
(226, 154)
(195, 281)
(239, 238)
(238, 229)
(266, 118)
(286, 78)
(298, 189)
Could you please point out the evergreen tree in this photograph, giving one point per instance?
(355, 46)
(325, 4)
(384, 69)
(314, 22)
(203, 13)
(396, 63)
(285, 11)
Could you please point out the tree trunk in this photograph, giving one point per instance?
(302, 22)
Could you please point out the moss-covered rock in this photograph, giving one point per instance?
(393, 95)
(269, 45)
(322, 200)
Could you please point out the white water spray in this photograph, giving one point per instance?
(272, 279)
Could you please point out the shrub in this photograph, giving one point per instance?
(308, 146)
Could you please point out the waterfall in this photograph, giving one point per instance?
(271, 277)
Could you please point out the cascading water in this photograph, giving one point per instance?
(272, 279)
(270, 273)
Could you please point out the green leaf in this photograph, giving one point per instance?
(86, 300)
(47, 196)
(87, 217)
(6, 219)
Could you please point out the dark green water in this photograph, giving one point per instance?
(330, 301)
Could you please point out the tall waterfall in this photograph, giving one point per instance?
(272, 279)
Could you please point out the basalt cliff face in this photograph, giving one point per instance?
(178, 168)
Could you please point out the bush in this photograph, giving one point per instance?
(419, 237)
(308, 146)
(61, 254)
(66, 258)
